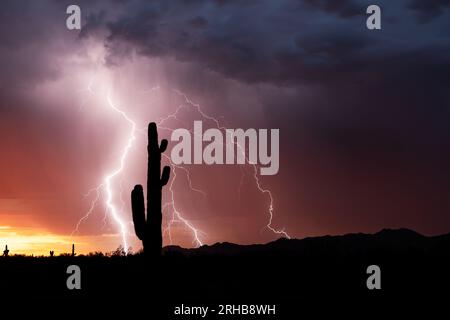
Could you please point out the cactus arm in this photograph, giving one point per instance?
(165, 176)
(138, 209)
(163, 145)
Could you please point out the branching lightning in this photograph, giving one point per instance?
(91, 208)
(263, 190)
(106, 184)
(117, 171)
(106, 187)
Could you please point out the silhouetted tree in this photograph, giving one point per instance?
(119, 252)
(148, 230)
(52, 253)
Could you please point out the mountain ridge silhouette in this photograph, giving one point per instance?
(383, 239)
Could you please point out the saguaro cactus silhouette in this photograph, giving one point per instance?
(148, 230)
(73, 250)
(6, 251)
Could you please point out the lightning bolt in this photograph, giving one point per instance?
(91, 208)
(176, 213)
(117, 171)
(177, 216)
(107, 180)
(259, 186)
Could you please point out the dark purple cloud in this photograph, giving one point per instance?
(426, 10)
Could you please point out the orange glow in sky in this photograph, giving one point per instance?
(39, 242)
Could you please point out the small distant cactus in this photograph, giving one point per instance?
(52, 253)
(6, 251)
(73, 250)
(148, 229)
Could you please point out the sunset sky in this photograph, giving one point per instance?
(363, 117)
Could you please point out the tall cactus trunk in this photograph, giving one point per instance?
(148, 229)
